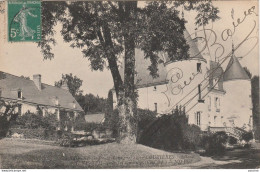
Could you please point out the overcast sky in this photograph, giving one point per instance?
(26, 59)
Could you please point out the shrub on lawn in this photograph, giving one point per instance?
(214, 143)
(4, 126)
(247, 136)
(35, 126)
(171, 132)
(191, 137)
(33, 121)
(112, 122)
(232, 140)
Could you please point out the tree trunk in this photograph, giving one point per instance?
(127, 129)
(127, 105)
(125, 90)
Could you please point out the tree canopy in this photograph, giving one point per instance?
(109, 31)
(73, 82)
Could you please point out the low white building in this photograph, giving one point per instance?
(34, 96)
(213, 98)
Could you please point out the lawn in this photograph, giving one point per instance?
(23, 154)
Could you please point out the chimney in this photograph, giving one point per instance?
(37, 81)
(64, 85)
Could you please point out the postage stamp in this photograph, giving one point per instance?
(24, 20)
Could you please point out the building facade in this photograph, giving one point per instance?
(213, 97)
(34, 96)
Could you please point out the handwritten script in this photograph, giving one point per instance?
(175, 86)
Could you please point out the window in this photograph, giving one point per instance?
(199, 67)
(197, 118)
(155, 107)
(215, 83)
(56, 101)
(20, 95)
(199, 94)
(74, 104)
(209, 103)
(232, 122)
(217, 104)
(215, 120)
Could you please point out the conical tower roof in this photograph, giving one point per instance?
(234, 70)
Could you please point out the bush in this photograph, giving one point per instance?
(34, 126)
(34, 121)
(214, 143)
(112, 122)
(171, 132)
(37, 133)
(191, 137)
(4, 126)
(232, 140)
(247, 136)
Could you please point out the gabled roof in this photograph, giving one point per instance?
(234, 70)
(95, 118)
(10, 84)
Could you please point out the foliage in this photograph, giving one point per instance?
(171, 132)
(91, 103)
(112, 122)
(214, 143)
(36, 133)
(145, 117)
(73, 82)
(33, 121)
(89, 127)
(191, 137)
(232, 140)
(247, 136)
(7, 114)
(106, 31)
(256, 107)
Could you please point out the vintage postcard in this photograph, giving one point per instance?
(129, 84)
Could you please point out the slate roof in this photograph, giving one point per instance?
(10, 84)
(234, 70)
(95, 118)
(143, 77)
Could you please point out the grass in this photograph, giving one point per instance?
(15, 153)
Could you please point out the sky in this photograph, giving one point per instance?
(26, 59)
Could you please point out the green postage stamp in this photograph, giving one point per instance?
(24, 20)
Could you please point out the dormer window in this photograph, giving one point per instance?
(20, 94)
(74, 105)
(56, 101)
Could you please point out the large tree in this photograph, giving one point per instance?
(107, 31)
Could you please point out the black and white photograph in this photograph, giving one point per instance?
(129, 84)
